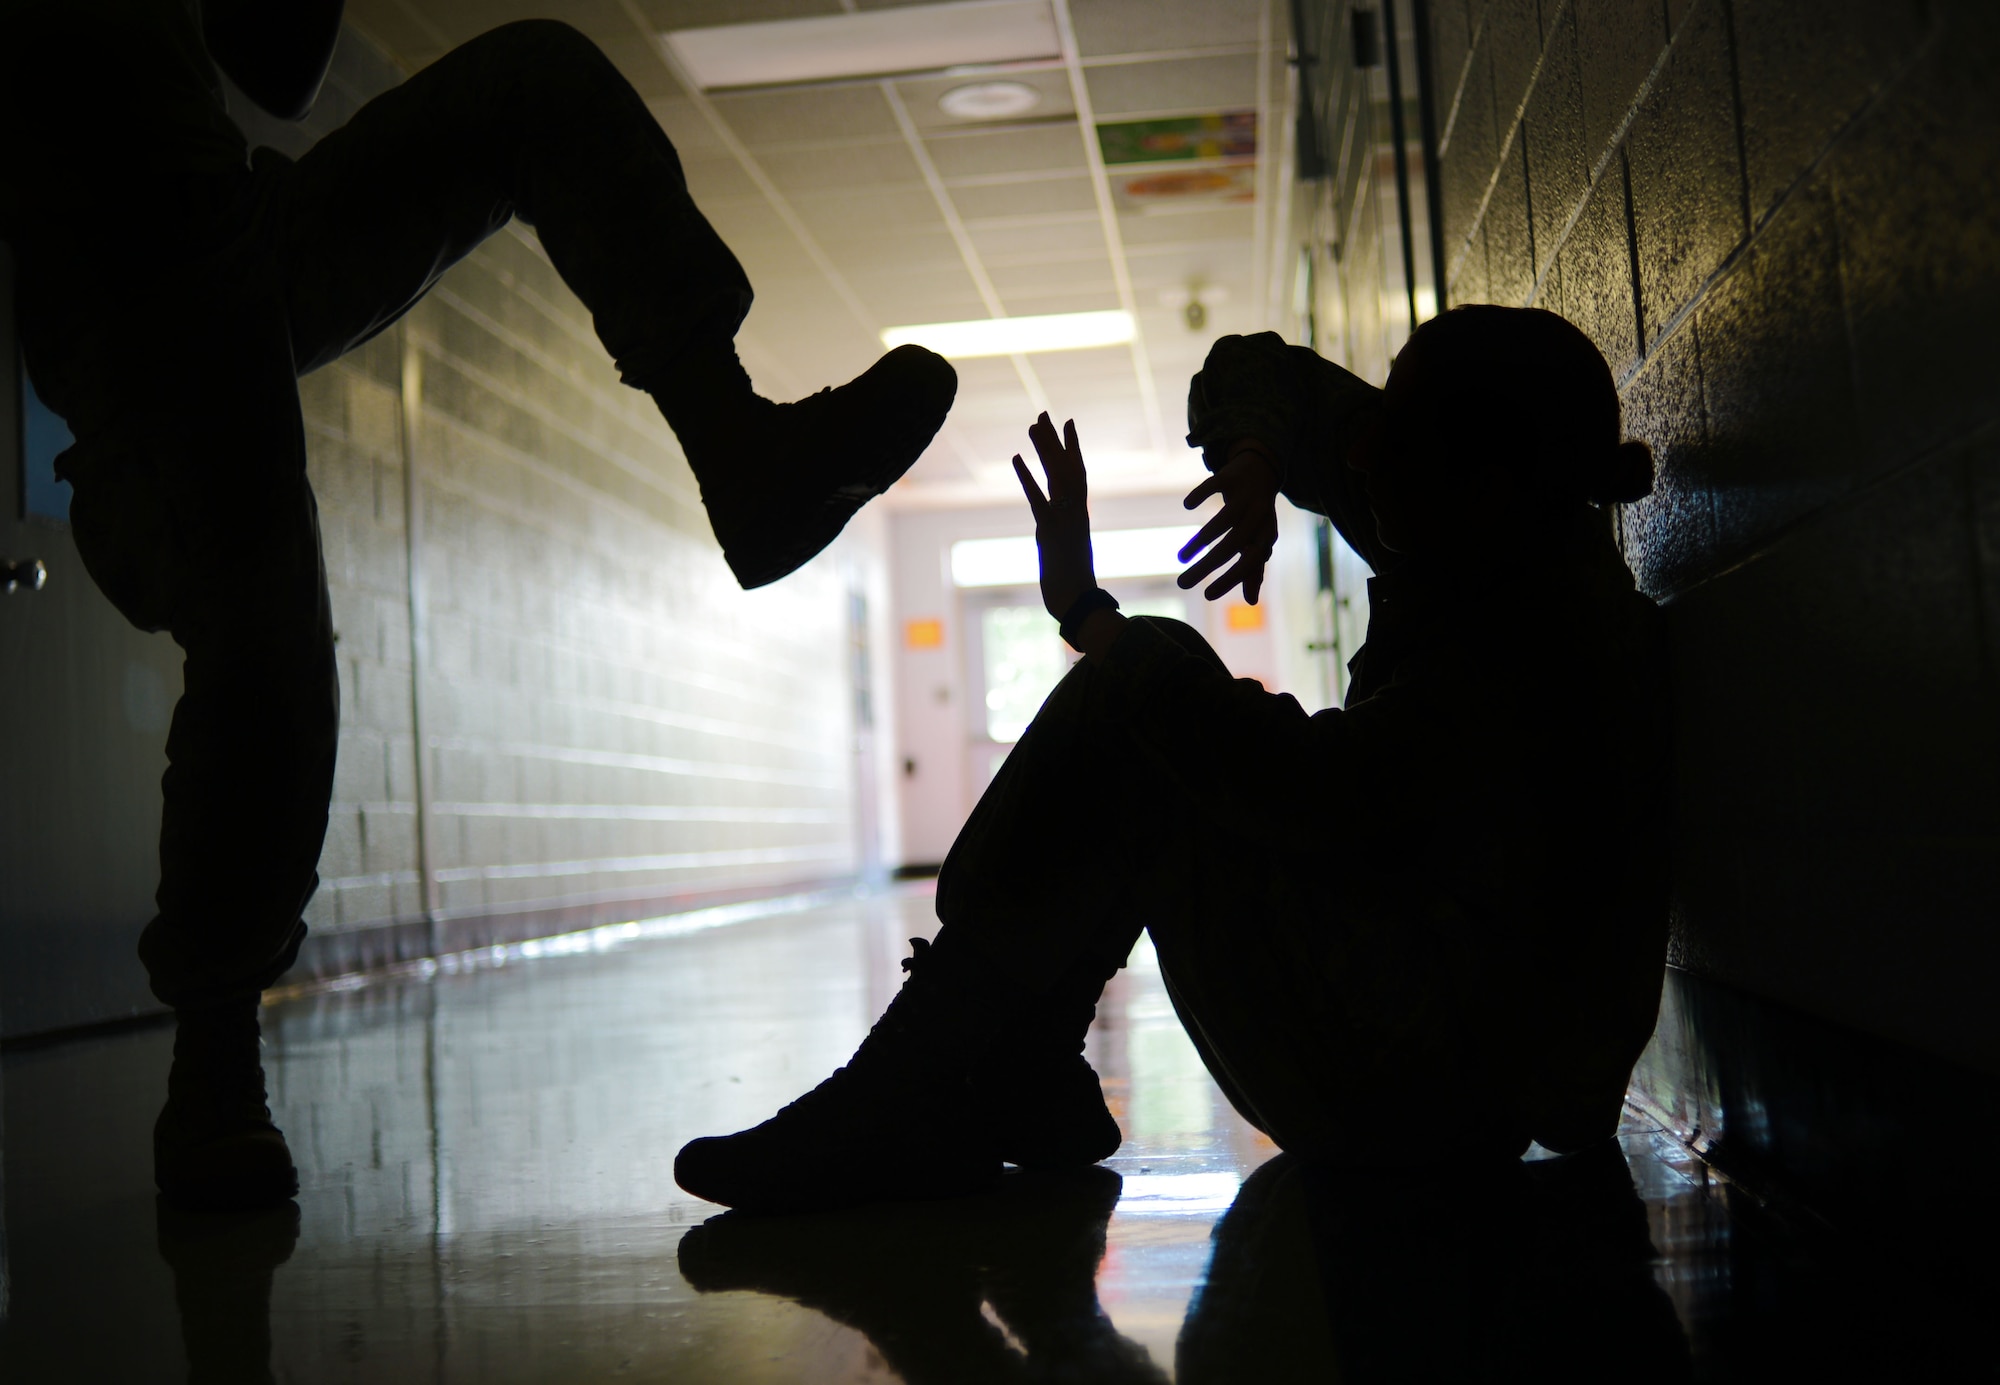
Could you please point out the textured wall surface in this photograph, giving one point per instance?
(1778, 221)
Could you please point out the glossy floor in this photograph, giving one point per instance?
(486, 1156)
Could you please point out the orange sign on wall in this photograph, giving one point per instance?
(923, 634)
(1241, 617)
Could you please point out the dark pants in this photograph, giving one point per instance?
(175, 360)
(1331, 1028)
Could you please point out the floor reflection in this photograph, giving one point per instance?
(487, 1196)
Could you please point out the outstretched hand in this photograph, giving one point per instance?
(1245, 528)
(1062, 517)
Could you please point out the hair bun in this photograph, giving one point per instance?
(1626, 475)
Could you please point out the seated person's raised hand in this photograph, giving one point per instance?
(1062, 533)
(1245, 528)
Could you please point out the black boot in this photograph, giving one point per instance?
(1038, 1094)
(781, 480)
(899, 1122)
(214, 1145)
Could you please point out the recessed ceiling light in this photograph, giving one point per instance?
(1011, 336)
(989, 100)
(870, 43)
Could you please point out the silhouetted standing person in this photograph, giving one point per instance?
(173, 288)
(1430, 926)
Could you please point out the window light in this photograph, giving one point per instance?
(1012, 562)
(1008, 336)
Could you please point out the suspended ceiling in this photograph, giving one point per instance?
(861, 205)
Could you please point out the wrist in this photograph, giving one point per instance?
(1071, 620)
(1098, 632)
(1251, 447)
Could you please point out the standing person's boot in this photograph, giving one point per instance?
(215, 1147)
(780, 481)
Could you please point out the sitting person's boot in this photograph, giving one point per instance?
(900, 1121)
(1037, 1093)
(780, 481)
(215, 1147)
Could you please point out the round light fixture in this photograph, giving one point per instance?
(989, 100)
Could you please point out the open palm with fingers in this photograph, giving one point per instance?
(1245, 528)
(1062, 517)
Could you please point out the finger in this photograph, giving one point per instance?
(1227, 581)
(1036, 500)
(1212, 486)
(1042, 433)
(1216, 527)
(1210, 561)
(1075, 451)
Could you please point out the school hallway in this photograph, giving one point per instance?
(485, 1156)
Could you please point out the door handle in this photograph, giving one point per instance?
(27, 572)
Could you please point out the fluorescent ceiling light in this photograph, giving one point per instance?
(871, 43)
(1010, 336)
(1012, 562)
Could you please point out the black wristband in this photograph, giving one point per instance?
(1081, 609)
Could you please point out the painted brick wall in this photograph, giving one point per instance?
(1779, 222)
(609, 723)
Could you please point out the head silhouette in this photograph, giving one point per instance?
(1498, 421)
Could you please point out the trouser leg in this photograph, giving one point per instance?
(1328, 1030)
(206, 527)
(529, 120)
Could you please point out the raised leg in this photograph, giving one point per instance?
(531, 120)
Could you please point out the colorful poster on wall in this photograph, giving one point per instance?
(1225, 135)
(1169, 188)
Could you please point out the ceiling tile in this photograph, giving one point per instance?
(1048, 148)
(1058, 300)
(810, 116)
(695, 14)
(1061, 276)
(1065, 193)
(850, 214)
(1224, 223)
(1152, 26)
(1194, 85)
(1078, 234)
(841, 168)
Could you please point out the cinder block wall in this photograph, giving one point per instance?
(609, 724)
(1779, 221)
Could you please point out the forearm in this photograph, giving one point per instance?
(277, 51)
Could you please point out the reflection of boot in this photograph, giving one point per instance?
(781, 480)
(1044, 1240)
(214, 1145)
(912, 1279)
(1035, 1090)
(222, 1265)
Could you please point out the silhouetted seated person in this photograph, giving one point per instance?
(173, 288)
(1428, 926)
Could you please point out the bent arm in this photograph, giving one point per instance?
(277, 51)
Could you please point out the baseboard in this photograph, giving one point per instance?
(390, 943)
(1827, 1125)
